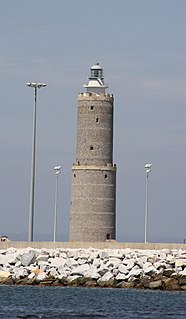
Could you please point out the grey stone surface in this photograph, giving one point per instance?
(93, 194)
(27, 258)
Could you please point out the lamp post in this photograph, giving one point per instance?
(147, 169)
(35, 86)
(57, 171)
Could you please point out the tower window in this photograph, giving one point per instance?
(91, 148)
(92, 107)
(106, 176)
(97, 119)
(74, 175)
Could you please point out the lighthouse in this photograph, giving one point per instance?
(93, 191)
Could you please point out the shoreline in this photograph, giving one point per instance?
(163, 269)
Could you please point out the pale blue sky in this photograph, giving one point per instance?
(141, 45)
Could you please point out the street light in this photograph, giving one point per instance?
(57, 171)
(147, 169)
(32, 182)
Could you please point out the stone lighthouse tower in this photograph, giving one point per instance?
(93, 194)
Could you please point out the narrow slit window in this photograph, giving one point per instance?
(97, 119)
(74, 175)
(92, 107)
(91, 148)
(106, 176)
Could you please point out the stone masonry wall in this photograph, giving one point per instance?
(93, 193)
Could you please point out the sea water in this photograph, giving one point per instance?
(36, 302)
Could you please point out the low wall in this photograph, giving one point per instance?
(97, 245)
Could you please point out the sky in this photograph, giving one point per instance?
(141, 46)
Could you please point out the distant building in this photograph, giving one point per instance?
(93, 194)
(4, 238)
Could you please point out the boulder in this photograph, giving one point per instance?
(135, 272)
(42, 257)
(123, 269)
(27, 258)
(120, 277)
(149, 269)
(92, 273)
(80, 270)
(4, 275)
(180, 263)
(102, 270)
(168, 272)
(19, 273)
(57, 261)
(103, 254)
(107, 280)
(182, 280)
(171, 284)
(41, 277)
(8, 259)
(155, 284)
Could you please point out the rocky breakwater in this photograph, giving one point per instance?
(119, 268)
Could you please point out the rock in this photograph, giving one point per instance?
(183, 287)
(120, 277)
(102, 270)
(183, 272)
(123, 269)
(53, 273)
(8, 259)
(27, 259)
(113, 262)
(135, 272)
(57, 261)
(170, 284)
(92, 273)
(168, 272)
(73, 279)
(155, 284)
(180, 263)
(41, 277)
(145, 280)
(80, 270)
(129, 263)
(63, 270)
(96, 262)
(182, 280)
(126, 251)
(4, 275)
(149, 269)
(127, 285)
(90, 283)
(71, 262)
(42, 257)
(19, 273)
(107, 276)
(103, 254)
(107, 280)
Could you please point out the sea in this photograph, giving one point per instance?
(39, 302)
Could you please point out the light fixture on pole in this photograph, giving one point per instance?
(57, 171)
(147, 169)
(35, 86)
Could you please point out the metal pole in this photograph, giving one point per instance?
(146, 207)
(32, 183)
(55, 211)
